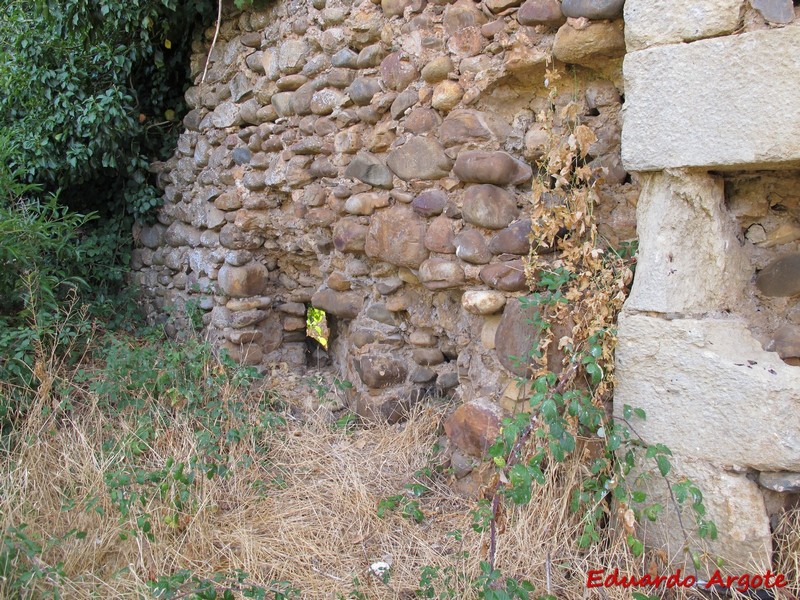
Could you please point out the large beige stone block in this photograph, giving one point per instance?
(732, 501)
(710, 391)
(724, 102)
(656, 22)
(690, 260)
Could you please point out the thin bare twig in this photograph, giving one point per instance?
(513, 458)
(548, 566)
(214, 41)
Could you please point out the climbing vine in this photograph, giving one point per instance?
(578, 284)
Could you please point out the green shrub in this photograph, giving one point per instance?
(92, 90)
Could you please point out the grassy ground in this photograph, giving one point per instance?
(94, 502)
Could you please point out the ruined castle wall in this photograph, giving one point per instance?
(375, 160)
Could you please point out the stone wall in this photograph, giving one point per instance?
(710, 336)
(375, 160)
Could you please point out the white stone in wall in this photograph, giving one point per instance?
(725, 102)
(690, 261)
(710, 391)
(656, 22)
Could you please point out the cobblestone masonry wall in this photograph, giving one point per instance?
(375, 161)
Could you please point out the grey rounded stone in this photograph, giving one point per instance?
(498, 168)
(371, 56)
(430, 203)
(345, 58)
(241, 156)
(780, 481)
(489, 206)
(369, 169)
(363, 89)
(775, 11)
(447, 381)
(419, 158)
(226, 115)
(592, 9)
(781, 277)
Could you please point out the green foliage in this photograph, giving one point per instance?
(39, 250)
(245, 4)
(46, 264)
(440, 583)
(147, 387)
(491, 585)
(92, 90)
(155, 383)
(316, 325)
(222, 586)
(560, 416)
(21, 565)
(409, 508)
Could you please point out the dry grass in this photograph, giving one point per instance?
(787, 540)
(304, 513)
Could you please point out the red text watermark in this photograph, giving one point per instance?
(740, 583)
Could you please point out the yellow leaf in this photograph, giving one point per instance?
(167, 44)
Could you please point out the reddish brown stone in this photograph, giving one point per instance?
(463, 126)
(421, 120)
(462, 14)
(397, 236)
(378, 371)
(467, 42)
(498, 6)
(349, 236)
(516, 337)
(505, 276)
(489, 206)
(440, 236)
(471, 247)
(541, 12)
(601, 40)
(514, 239)
(345, 305)
(498, 168)
(320, 217)
(430, 203)
(440, 273)
(241, 282)
(474, 426)
(244, 354)
(396, 73)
